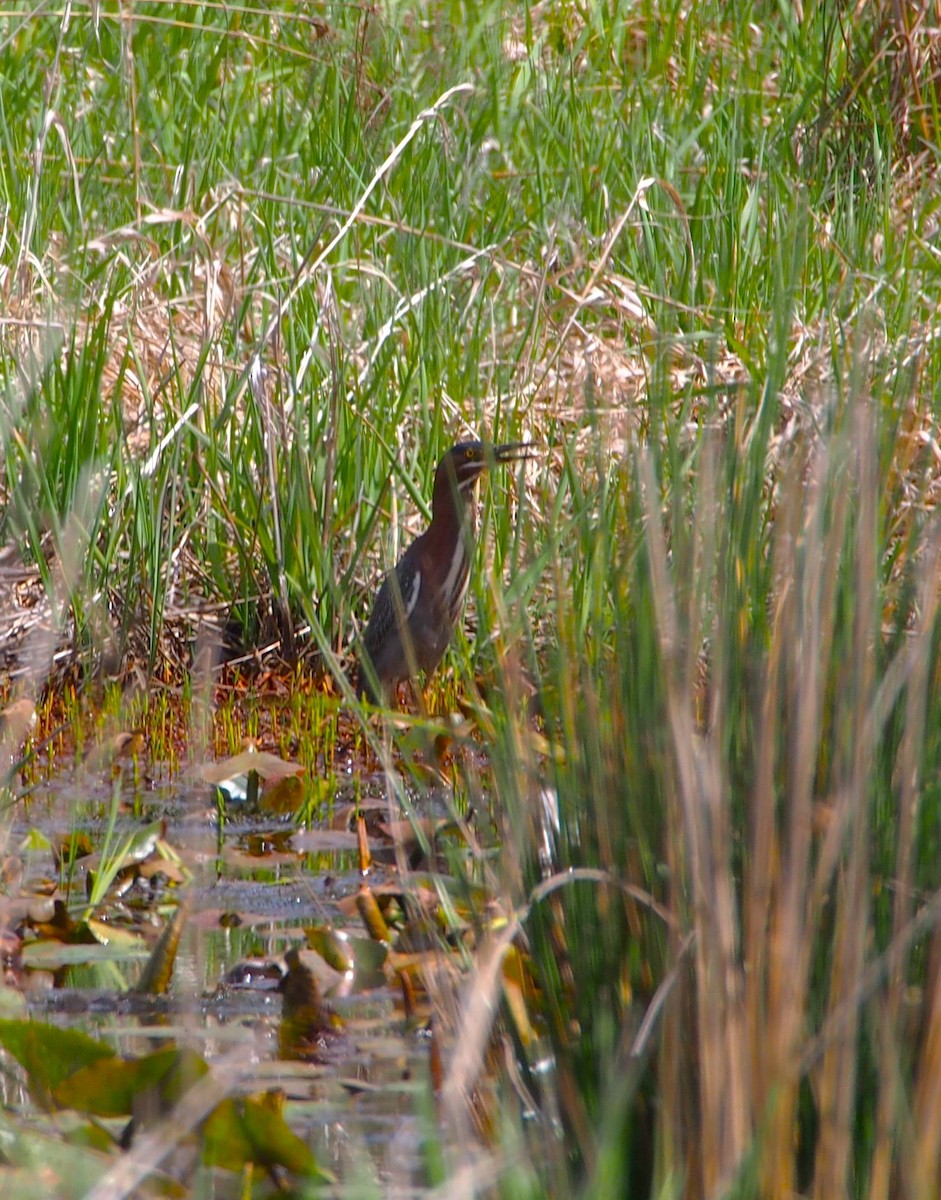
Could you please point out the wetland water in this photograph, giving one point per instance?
(253, 886)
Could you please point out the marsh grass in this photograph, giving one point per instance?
(260, 268)
(726, 909)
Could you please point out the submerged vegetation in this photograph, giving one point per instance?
(674, 922)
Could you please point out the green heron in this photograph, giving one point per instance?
(420, 600)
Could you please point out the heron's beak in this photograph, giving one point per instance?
(514, 451)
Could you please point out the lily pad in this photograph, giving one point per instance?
(50, 1055)
(251, 1130)
(113, 1088)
